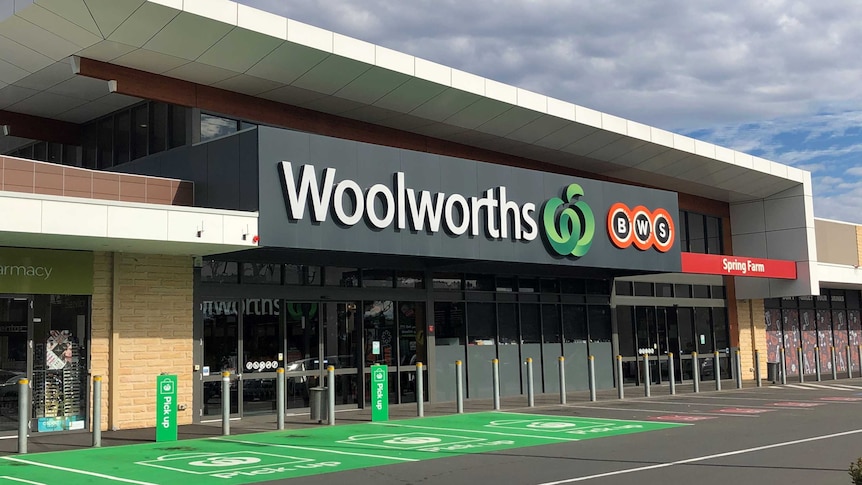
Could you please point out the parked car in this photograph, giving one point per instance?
(9, 393)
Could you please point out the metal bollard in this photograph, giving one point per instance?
(279, 398)
(97, 411)
(834, 366)
(420, 391)
(757, 378)
(671, 373)
(330, 384)
(531, 397)
(817, 363)
(695, 371)
(562, 361)
(620, 392)
(592, 378)
(849, 363)
(782, 365)
(716, 369)
(23, 414)
(225, 403)
(738, 369)
(495, 370)
(801, 357)
(646, 376)
(459, 388)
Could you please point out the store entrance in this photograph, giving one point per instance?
(327, 329)
(252, 338)
(15, 317)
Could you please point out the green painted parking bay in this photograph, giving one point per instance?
(286, 454)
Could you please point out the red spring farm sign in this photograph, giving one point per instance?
(738, 266)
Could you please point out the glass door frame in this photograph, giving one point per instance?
(216, 375)
(29, 353)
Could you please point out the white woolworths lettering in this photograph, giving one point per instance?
(402, 206)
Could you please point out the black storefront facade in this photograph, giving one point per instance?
(373, 254)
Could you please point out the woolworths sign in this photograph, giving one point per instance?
(322, 193)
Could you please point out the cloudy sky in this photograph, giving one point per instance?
(775, 78)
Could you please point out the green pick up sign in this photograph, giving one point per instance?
(379, 393)
(166, 407)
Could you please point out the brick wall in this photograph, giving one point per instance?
(859, 244)
(151, 333)
(752, 335)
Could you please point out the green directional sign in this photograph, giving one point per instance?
(166, 407)
(379, 393)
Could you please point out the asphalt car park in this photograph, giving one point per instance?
(796, 433)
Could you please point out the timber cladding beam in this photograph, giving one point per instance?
(146, 85)
(42, 129)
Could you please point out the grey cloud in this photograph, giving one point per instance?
(672, 63)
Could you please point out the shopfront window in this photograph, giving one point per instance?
(261, 273)
(411, 332)
(221, 335)
(378, 321)
(262, 336)
(60, 362)
(531, 329)
(449, 323)
(14, 319)
(481, 324)
(213, 271)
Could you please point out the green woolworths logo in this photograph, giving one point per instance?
(571, 234)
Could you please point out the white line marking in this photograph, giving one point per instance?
(662, 411)
(848, 385)
(555, 416)
(318, 450)
(703, 458)
(699, 404)
(82, 472)
(478, 431)
(821, 386)
(23, 481)
(794, 386)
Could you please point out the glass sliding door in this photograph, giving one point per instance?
(220, 354)
(341, 344)
(262, 350)
(302, 359)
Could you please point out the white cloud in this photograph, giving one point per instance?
(669, 63)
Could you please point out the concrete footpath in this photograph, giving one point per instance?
(46, 442)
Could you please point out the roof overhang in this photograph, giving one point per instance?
(229, 46)
(36, 220)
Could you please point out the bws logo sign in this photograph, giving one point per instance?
(641, 227)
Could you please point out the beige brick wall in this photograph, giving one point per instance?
(752, 335)
(859, 244)
(151, 333)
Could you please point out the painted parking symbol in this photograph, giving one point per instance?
(208, 463)
(743, 410)
(681, 418)
(224, 461)
(548, 425)
(409, 441)
(797, 404)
